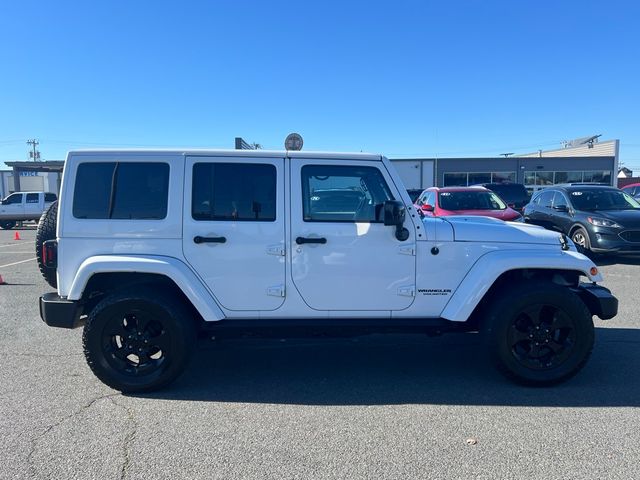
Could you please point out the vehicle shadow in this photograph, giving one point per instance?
(382, 370)
(606, 260)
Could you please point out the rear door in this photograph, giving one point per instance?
(344, 257)
(33, 205)
(234, 228)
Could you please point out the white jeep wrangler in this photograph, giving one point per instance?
(147, 248)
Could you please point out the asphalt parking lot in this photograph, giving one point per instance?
(378, 407)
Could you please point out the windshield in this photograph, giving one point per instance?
(603, 200)
(470, 201)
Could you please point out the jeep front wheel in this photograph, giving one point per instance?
(138, 341)
(541, 334)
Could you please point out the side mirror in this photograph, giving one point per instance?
(427, 208)
(561, 208)
(394, 216)
(511, 205)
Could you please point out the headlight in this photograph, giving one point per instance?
(602, 222)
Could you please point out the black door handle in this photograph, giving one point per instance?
(301, 240)
(198, 239)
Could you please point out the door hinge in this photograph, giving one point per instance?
(408, 291)
(407, 250)
(276, 291)
(276, 250)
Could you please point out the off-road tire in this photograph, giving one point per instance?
(47, 231)
(506, 318)
(171, 321)
(7, 225)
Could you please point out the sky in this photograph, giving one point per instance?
(401, 78)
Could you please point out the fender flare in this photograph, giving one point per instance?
(490, 266)
(170, 267)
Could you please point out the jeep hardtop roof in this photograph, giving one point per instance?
(228, 153)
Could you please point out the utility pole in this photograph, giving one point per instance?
(35, 154)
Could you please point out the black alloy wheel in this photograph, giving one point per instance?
(138, 341)
(541, 337)
(539, 334)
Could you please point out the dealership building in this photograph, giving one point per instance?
(582, 160)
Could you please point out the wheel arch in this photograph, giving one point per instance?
(106, 273)
(494, 272)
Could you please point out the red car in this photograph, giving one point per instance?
(444, 201)
(632, 189)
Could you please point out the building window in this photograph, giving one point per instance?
(477, 178)
(501, 177)
(455, 180)
(544, 178)
(568, 177)
(597, 176)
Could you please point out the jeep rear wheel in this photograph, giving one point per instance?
(138, 341)
(542, 334)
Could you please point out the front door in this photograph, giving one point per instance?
(234, 227)
(343, 256)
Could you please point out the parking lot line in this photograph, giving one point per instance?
(16, 263)
(14, 244)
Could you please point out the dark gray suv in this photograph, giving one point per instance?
(597, 218)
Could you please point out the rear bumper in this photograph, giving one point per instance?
(598, 300)
(60, 312)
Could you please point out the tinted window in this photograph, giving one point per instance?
(50, 197)
(14, 198)
(121, 190)
(234, 192)
(32, 198)
(343, 194)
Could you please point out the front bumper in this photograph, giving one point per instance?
(60, 312)
(598, 300)
(608, 240)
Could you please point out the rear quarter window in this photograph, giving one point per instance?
(121, 191)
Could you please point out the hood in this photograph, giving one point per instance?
(484, 229)
(626, 218)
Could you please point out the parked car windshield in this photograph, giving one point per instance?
(470, 201)
(603, 200)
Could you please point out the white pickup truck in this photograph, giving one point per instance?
(23, 206)
(146, 248)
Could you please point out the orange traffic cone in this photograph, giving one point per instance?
(2, 282)
(17, 236)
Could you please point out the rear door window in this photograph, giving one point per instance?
(234, 192)
(32, 198)
(546, 199)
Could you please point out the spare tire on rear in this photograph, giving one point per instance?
(47, 231)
